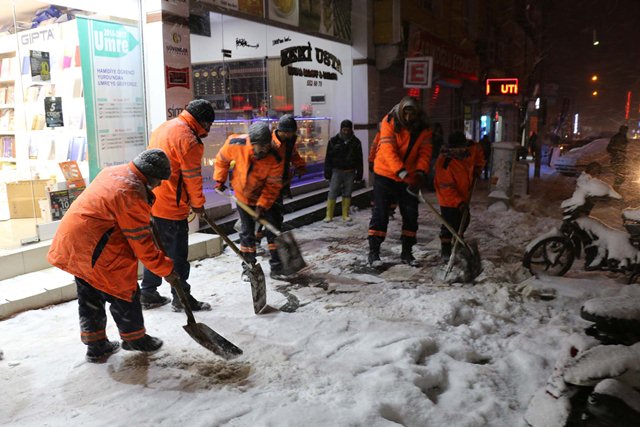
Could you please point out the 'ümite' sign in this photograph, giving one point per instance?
(502, 87)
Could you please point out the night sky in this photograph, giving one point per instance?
(572, 58)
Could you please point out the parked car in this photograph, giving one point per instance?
(575, 160)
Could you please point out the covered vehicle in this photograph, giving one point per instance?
(576, 160)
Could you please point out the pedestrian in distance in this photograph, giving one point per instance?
(400, 167)
(453, 182)
(257, 182)
(106, 230)
(180, 139)
(617, 149)
(342, 167)
(485, 143)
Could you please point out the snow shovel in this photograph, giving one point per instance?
(287, 247)
(465, 217)
(201, 333)
(255, 273)
(473, 264)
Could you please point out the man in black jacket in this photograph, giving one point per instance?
(342, 166)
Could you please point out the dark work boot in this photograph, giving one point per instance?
(147, 343)
(407, 256)
(152, 299)
(445, 252)
(195, 305)
(374, 254)
(99, 352)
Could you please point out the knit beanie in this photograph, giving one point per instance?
(457, 140)
(201, 110)
(287, 123)
(346, 124)
(153, 163)
(259, 133)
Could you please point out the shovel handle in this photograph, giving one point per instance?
(223, 235)
(253, 213)
(465, 216)
(176, 285)
(446, 224)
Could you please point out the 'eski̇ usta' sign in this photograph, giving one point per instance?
(304, 53)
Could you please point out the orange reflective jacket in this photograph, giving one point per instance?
(179, 138)
(281, 146)
(392, 156)
(255, 182)
(106, 231)
(374, 147)
(453, 183)
(477, 153)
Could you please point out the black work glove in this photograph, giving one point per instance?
(199, 210)
(371, 166)
(220, 186)
(422, 178)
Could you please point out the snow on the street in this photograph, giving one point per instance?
(350, 348)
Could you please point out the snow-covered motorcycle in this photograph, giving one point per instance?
(603, 247)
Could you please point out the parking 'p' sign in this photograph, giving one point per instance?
(418, 72)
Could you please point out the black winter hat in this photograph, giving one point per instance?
(457, 140)
(287, 123)
(153, 163)
(201, 110)
(259, 133)
(346, 124)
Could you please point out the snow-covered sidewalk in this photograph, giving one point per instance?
(353, 348)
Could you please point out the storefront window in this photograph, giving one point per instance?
(252, 71)
(66, 78)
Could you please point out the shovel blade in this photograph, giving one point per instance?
(471, 261)
(258, 288)
(211, 340)
(290, 254)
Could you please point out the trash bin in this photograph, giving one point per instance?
(503, 163)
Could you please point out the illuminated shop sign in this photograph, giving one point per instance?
(502, 87)
(304, 53)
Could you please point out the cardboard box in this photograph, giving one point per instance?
(22, 197)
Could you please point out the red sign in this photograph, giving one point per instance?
(418, 72)
(177, 77)
(502, 87)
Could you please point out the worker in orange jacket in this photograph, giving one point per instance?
(477, 154)
(284, 139)
(256, 181)
(401, 163)
(180, 139)
(100, 239)
(453, 181)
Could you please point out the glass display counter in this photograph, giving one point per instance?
(313, 136)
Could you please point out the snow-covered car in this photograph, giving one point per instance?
(576, 160)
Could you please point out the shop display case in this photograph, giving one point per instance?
(313, 135)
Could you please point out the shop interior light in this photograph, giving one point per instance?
(594, 78)
(594, 93)
(596, 42)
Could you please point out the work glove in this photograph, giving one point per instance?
(199, 210)
(260, 211)
(422, 178)
(371, 166)
(173, 279)
(402, 174)
(220, 186)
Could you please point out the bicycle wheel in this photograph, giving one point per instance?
(552, 256)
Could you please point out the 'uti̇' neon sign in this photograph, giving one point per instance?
(501, 87)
